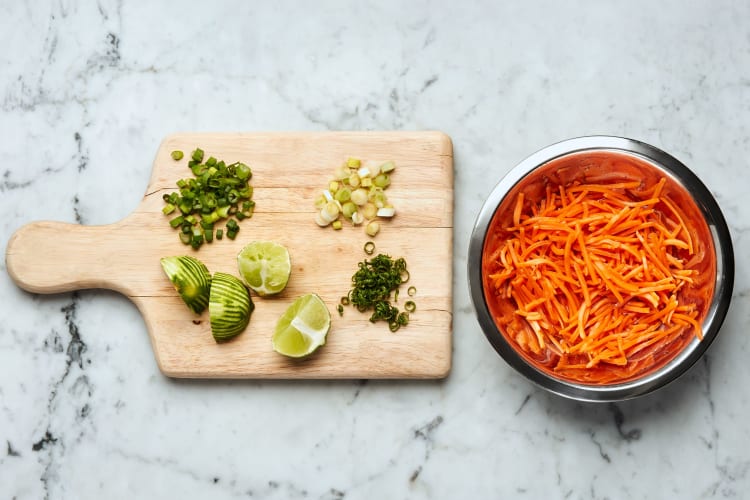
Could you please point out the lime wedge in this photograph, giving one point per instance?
(265, 266)
(229, 307)
(303, 327)
(190, 278)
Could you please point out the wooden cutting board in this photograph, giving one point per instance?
(289, 171)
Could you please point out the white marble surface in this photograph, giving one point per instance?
(88, 90)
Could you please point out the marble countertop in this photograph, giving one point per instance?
(88, 89)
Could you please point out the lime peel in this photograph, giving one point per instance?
(230, 307)
(191, 278)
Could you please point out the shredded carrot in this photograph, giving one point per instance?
(595, 273)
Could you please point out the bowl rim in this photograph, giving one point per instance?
(722, 289)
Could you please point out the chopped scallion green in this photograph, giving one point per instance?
(217, 191)
(177, 221)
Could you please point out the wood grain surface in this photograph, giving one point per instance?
(289, 171)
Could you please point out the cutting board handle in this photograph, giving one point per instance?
(55, 257)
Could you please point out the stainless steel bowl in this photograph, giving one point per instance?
(724, 256)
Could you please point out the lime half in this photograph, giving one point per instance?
(303, 327)
(265, 266)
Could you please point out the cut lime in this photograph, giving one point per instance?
(265, 266)
(303, 327)
(229, 307)
(190, 278)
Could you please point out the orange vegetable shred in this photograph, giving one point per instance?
(595, 275)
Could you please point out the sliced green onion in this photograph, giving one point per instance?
(359, 196)
(198, 170)
(370, 211)
(348, 209)
(369, 247)
(196, 241)
(377, 197)
(177, 155)
(217, 192)
(412, 291)
(341, 172)
(372, 228)
(387, 167)
(360, 184)
(410, 306)
(177, 221)
(382, 180)
(219, 234)
(345, 300)
(364, 172)
(243, 172)
(402, 319)
(343, 195)
(330, 212)
(320, 201)
(340, 309)
(223, 210)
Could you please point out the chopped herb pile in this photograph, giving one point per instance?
(373, 283)
(217, 192)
